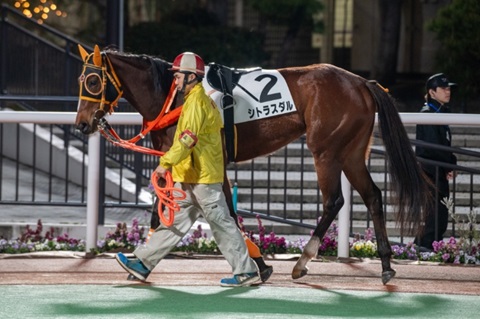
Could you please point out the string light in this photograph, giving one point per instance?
(39, 10)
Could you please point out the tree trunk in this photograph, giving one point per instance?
(291, 34)
(287, 43)
(386, 54)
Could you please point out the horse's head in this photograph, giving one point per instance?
(99, 92)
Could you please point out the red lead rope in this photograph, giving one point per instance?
(166, 198)
(166, 195)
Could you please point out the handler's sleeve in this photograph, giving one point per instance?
(192, 121)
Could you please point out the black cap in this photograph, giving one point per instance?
(438, 80)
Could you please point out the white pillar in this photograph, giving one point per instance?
(344, 220)
(93, 180)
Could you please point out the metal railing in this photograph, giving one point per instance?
(125, 163)
(75, 166)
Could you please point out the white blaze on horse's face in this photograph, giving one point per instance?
(85, 120)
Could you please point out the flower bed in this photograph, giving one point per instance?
(453, 251)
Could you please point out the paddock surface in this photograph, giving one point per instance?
(67, 285)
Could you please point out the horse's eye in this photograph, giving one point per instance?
(93, 84)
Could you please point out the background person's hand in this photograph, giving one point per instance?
(451, 175)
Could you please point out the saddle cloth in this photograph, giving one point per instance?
(257, 94)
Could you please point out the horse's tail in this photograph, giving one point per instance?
(408, 181)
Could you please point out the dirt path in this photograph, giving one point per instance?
(424, 278)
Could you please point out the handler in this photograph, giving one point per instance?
(197, 163)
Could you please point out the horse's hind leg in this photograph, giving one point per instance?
(329, 182)
(361, 180)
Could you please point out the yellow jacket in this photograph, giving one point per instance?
(203, 163)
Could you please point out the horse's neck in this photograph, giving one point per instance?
(138, 88)
(162, 140)
(149, 108)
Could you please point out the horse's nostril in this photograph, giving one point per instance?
(83, 127)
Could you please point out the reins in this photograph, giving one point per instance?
(168, 195)
(162, 121)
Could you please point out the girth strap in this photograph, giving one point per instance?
(227, 107)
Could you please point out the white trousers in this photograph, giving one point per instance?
(205, 200)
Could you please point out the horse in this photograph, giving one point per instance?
(335, 109)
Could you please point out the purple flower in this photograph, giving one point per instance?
(452, 241)
(368, 234)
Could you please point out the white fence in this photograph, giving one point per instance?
(135, 119)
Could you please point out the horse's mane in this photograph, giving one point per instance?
(162, 77)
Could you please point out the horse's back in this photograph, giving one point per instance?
(327, 86)
(331, 104)
(330, 99)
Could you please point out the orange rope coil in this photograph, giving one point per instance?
(167, 196)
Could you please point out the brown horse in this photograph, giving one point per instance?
(334, 108)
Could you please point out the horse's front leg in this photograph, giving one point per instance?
(331, 209)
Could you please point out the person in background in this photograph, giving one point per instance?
(196, 159)
(436, 101)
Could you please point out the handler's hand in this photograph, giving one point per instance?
(160, 171)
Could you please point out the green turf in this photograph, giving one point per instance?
(142, 301)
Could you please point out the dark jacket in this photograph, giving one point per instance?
(438, 134)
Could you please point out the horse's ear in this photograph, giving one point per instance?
(83, 53)
(97, 58)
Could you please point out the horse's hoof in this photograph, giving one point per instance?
(299, 273)
(266, 273)
(387, 275)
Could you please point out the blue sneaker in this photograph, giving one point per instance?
(240, 280)
(135, 267)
